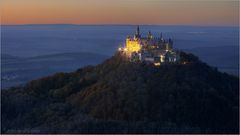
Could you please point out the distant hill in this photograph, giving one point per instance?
(118, 96)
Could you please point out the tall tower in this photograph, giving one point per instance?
(138, 32)
(161, 37)
(150, 35)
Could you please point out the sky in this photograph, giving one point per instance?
(157, 12)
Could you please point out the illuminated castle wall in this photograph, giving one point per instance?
(134, 44)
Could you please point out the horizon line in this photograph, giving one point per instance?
(121, 24)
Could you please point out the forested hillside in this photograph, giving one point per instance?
(118, 96)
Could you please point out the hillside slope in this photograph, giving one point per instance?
(122, 97)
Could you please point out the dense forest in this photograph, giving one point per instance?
(119, 96)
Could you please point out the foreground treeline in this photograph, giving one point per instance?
(122, 97)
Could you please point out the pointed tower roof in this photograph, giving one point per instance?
(161, 36)
(138, 32)
(150, 35)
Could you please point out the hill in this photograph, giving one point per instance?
(118, 96)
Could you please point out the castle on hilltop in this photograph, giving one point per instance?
(149, 49)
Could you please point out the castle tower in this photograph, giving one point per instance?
(137, 35)
(161, 37)
(150, 35)
(138, 31)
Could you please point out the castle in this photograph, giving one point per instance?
(150, 50)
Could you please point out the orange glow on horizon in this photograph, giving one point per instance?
(120, 12)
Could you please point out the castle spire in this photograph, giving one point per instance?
(161, 36)
(150, 35)
(137, 35)
(138, 31)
